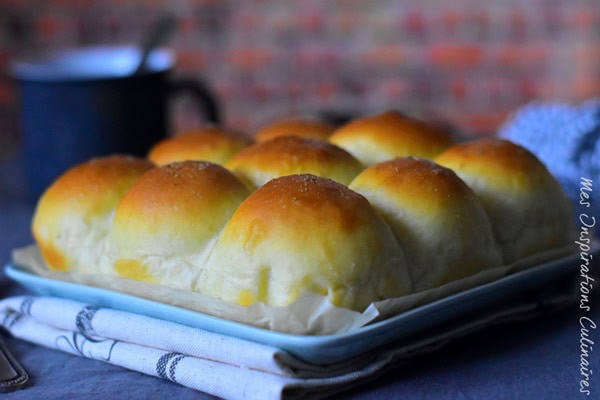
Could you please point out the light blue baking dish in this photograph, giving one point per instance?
(321, 350)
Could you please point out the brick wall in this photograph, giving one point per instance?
(468, 61)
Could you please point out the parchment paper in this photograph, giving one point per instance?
(311, 314)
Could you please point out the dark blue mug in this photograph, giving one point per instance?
(88, 102)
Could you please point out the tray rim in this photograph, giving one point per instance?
(302, 346)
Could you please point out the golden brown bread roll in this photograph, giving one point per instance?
(212, 144)
(74, 215)
(302, 127)
(388, 135)
(439, 222)
(525, 203)
(169, 218)
(287, 155)
(303, 233)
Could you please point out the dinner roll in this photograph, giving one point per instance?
(525, 203)
(302, 127)
(303, 233)
(74, 215)
(439, 222)
(168, 220)
(388, 135)
(212, 144)
(287, 155)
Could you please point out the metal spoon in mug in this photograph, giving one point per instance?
(158, 34)
(12, 375)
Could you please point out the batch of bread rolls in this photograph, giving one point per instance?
(380, 207)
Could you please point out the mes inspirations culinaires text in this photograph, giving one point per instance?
(587, 222)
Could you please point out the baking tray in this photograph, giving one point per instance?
(325, 349)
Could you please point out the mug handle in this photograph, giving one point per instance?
(201, 94)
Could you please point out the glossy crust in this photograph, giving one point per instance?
(287, 155)
(389, 135)
(167, 220)
(303, 233)
(74, 215)
(439, 222)
(526, 205)
(212, 144)
(301, 127)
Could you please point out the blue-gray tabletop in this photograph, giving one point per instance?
(533, 359)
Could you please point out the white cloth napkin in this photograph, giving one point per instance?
(220, 365)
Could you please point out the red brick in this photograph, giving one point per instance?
(485, 123)
(249, 59)
(518, 24)
(386, 55)
(415, 23)
(187, 26)
(261, 92)
(310, 22)
(459, 89)
(588, 54)
(190, 60)
(316, 57)
(521, 54)
(325, 90)
(456, 55)
(586, 87)
(529, 89)
(582, 18)
(451, 20)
